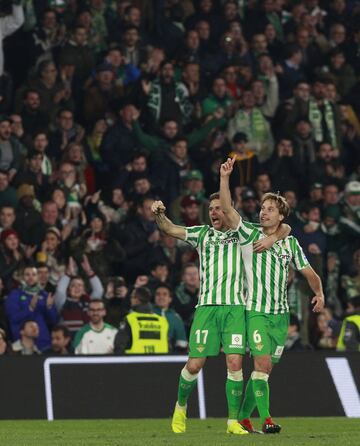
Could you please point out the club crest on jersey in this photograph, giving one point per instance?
(200, 349)
(259, 347)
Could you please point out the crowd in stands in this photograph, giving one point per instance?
(107, 105)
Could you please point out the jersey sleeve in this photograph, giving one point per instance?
(195, 235)
(247, 231)
(299, 259)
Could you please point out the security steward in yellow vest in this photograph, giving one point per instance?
(349, 338)
(142, 331)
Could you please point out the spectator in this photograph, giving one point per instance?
(249, 206)
(250, 120)
(116, 300)
(140, 235)
(8, 197)
(159, 275)
(77, 52)
(5, 349)
(60, 342)
(71, 298)
(294, 342)
(33, 117)
(129, 341)
(26, 344)
(167, 98)
(10, 150)
(186, 294)
(7, 217)
(9, 26)
(349, 338)
(96, 337)
(30, 302)
(12, 257)
(177, 335)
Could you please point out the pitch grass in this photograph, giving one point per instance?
(296, 432)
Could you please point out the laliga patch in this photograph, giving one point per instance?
(279, 350)
(236, 339)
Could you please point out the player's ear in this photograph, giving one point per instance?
(281, 217)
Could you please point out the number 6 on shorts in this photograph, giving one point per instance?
(256, 337)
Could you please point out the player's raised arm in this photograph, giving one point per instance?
(232, 216)
(315, 284)
(165, 224)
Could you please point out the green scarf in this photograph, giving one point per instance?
(32, 289)
(316, 118)
(181, 97)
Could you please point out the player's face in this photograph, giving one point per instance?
(269, 215)
(216, 215)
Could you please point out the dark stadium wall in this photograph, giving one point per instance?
(301, 385)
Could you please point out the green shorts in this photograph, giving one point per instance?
(267, 333)
(215, 326)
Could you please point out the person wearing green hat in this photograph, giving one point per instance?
(193, 186)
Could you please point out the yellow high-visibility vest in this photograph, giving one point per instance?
(149, 333)
(355, 319)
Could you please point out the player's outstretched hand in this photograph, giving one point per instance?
(158, 208)
(227, 167)
(318, 302)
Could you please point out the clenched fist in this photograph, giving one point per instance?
(158, 208)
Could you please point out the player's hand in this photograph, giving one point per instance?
(264, 244)
(227, 167)
(319, 303)
(158, 208)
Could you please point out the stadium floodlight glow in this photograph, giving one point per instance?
(345, 385)
(115, 360)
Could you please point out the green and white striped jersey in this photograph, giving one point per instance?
(221, 266)
(267, 273)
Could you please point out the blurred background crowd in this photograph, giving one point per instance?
(107, 105)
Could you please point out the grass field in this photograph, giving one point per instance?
(296, 432)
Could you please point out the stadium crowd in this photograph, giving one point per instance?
(107, 105)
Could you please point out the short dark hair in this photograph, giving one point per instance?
(164, 285)
(96, 301)
(157, 263)
(65, 331)
(143, 294)
(23, 323)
